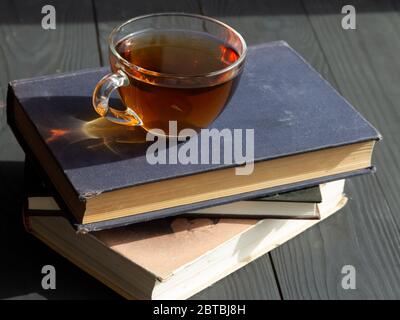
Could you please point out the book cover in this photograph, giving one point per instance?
(290, 107)
(298, 204)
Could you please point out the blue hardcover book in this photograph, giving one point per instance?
(305, 134)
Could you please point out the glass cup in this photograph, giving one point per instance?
(170, 67)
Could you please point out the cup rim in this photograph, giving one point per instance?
(172, 75)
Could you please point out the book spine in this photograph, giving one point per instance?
(27, 214)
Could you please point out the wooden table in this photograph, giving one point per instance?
(363, 65)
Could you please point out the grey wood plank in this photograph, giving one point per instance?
(27, 50)
(366, 233)
(317, 278)
(366, 66)
(242, 284)
(262, 21)
(255, 281)
(258, 22)
(110, 14)
(363, 235)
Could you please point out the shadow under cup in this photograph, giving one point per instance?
(172, 71)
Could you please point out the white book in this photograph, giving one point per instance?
(177, 257)
(249, 208)
(279, 209)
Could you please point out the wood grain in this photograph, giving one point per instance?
(366, 67)
(26, 50)
(309, 266)
(361, 64)
(110, 14)
(366, 233)
(254, 281)
(262, 21)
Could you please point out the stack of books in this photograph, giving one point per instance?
(167, 231)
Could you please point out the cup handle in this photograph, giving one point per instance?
(101, 97)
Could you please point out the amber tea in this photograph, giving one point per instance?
(189, 54)
(170, 68)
